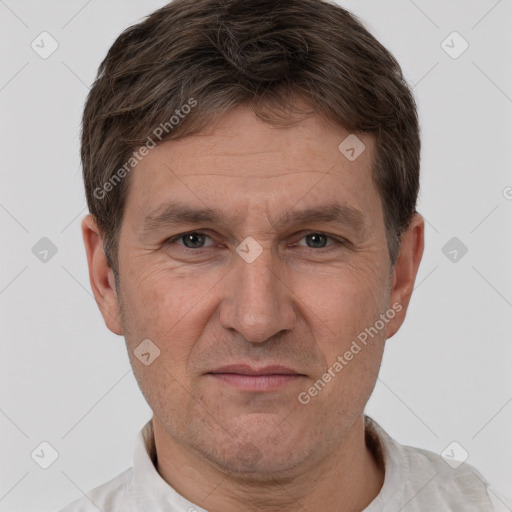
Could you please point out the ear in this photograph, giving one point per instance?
(405, 271)
(101, 276)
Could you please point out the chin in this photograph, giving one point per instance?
(257, 456)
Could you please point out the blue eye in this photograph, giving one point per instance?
(318, 239)
(193, 240)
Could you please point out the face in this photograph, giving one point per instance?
(255, 300)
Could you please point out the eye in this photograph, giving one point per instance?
(192, 240)
(316, 240)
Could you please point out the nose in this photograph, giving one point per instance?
(258, 302)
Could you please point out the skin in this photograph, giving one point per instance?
(299, 304)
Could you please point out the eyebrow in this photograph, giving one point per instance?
(177, 213)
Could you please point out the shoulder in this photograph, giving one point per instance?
(113, 495)
(461, 487)
(417, 479)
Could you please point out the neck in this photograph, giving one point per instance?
(347, 480)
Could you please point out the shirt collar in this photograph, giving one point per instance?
(396, 466)
(149, 490)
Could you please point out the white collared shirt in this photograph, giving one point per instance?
(415, 480)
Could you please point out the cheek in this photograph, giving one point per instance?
(173, 312)
(159, 307)
(162, 301)
(345, 302)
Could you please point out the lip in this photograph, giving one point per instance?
(247, 378)
(245, 369)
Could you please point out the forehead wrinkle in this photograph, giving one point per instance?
(236, 174)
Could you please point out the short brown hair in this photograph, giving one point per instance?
(224, 53)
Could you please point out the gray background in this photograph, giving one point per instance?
(66, 379)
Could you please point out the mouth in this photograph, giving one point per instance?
(247, 378)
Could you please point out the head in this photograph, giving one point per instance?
(283, 139)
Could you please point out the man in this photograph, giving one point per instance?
(251, 170)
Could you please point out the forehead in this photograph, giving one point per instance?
(241, 162)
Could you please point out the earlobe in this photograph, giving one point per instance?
(406, 270)
(100, 275)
